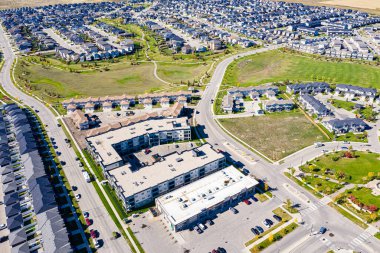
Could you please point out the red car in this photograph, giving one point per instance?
(88, 222)
(92, 233)
(247, 201)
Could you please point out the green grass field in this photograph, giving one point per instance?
(355, 169)
(50, 83)
(323, 185)
(347, 105)
(274, 66)
(276, 135)
(177, 73)
(364, 195)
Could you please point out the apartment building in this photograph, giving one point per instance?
(278, 105)
(108, 148)
(205, 198)
(314, 106)
(137, 188)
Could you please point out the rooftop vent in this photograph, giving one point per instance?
(109, 153)
(123, 173)
(109, 137)
(179, 159)
(184, 205)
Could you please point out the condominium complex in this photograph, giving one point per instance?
(205, 198)
(137, 188)
(109, 148)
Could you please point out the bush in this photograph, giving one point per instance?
(335, 158)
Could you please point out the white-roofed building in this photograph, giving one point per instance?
(203, 199)
(137, 188)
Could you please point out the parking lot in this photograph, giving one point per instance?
(157, 237)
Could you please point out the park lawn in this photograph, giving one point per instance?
(354, 168)
(322, 185)
(276, 135)
(177, 72)
(360, 137)
(51, 83)
(276, 65)
(364, 195)
(347, 105)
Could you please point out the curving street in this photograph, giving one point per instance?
(315, 212)
(90, 201)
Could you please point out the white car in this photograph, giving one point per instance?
(78, 196)
(3, 226)
(201, 226)
(97, 244)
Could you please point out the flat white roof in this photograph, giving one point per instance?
(173, 165)
(103, 142)
(191, 199)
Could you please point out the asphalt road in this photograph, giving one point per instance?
(90, 200)
(315, 213)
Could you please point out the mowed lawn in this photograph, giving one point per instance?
(273, 66)
(275, 135)
(357, 168)
(177, 72)
(119, 79)
(365, 196)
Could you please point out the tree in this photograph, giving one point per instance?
(293, 170)
(270, 237)
(288, 203)
(266, 187)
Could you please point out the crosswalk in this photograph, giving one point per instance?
(313, 207)
(359, 240)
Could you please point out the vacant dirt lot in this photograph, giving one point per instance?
(364, 4)
(276, 135)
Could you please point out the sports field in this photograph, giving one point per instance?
(275, 66)
(275, 135)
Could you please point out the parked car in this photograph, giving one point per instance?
(260, 229)
(322, 230)
(58, 125)
(277, 218)
(245, 171)
(255, 231)
(209, 222)
(3, 226)
(86, 214)
(92, 233)
(199, 231)
(97, 244)
(88, 222)
(201, 226)
(74, 188)
(233, 210)
(246, 201)
(78, 196)
(221, 250)
(266, 223)
(254, 199)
